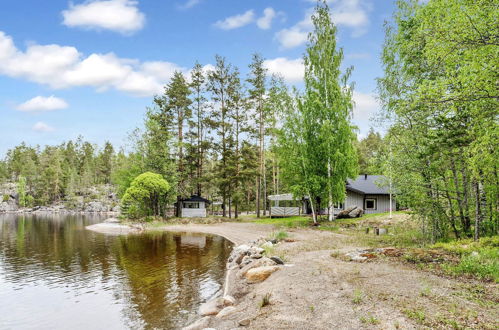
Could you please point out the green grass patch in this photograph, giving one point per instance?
(291, 222)
(483, 264)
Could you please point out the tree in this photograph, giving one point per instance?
(440, 93)
(320, 135)
(175, 106)
(199, 123)
(148, 195)
(257, 91)
(219, 81)
(372, 152)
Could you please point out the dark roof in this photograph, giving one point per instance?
(196, 198)
(369, 184)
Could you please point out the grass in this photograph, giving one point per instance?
(291, 222)
(369, 319)
(279, 235)
(265, 300)
(417, 315)
(479, 259)
(357, 296)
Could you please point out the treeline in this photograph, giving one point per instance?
(57, 173)
(440, 91)
(213, 134)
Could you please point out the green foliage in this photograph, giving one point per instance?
(5, 198)
(148, 195)
(21, 191)
(316, 142)
(439, 91)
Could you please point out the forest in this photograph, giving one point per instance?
(237, 139)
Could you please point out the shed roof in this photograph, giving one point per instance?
(196, 198)
(369, 184)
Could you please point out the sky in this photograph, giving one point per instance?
(91, 68)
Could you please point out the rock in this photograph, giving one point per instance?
(8, 207)
(96, 207)
(256, 263)
(246, 260)
(356, 213)
(277, 260)
(199, 324)
(229, 300)
(260, 274)
(226, 311)
(117, 209)
(344, 213)
(244, 322)
(256, 256)
(267, 245)
(211, 307)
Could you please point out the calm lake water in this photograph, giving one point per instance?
(54, 274)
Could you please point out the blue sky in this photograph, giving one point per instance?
(91, 68)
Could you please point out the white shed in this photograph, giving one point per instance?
(194, 207)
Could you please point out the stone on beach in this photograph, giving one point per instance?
(212, 307)
(260, 274)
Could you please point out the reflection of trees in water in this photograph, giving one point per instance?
(166, 277)
(161, 277)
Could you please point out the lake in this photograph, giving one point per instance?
(54, 274)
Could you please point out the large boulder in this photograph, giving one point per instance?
(96, 207)
(260, 274)
(256, 263)
(356, 213)
(351, 212)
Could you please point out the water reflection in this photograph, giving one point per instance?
(56, 274)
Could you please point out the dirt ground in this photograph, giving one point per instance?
(319, 289)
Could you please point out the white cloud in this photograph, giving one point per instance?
(236, 21)
(116, 15)
(365, 107)
(265, 22)
(293, 37)
(352, 14)
(41, 103)
(290, 70)
(65, 67)
(42, 127)
(189, 4)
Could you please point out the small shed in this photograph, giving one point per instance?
(194, 207)
(285, 205)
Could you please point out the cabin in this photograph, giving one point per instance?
(194, 207)
(369, 192)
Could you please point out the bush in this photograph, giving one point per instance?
(148, 195)
(5, 198)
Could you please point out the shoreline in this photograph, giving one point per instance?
(320, 287)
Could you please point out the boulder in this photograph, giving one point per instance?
(267, 245)
(244, 322)
(211, 307)
(199, 324)
(256, 263)
(351, 212)
(260, 274)
(112, 220)
(226, 311)
(229, 300)
(356, 213)
(277, 260)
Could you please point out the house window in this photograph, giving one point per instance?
(191, 205)
(370, 204)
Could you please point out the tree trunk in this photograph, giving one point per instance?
(477, 211)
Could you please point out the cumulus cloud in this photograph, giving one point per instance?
(41, 103)
(352, 14)
(236, 21)
(64, 67)
(265, 22)
(42, 127)
(292, 70)
(366, 105)
(116, 15)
